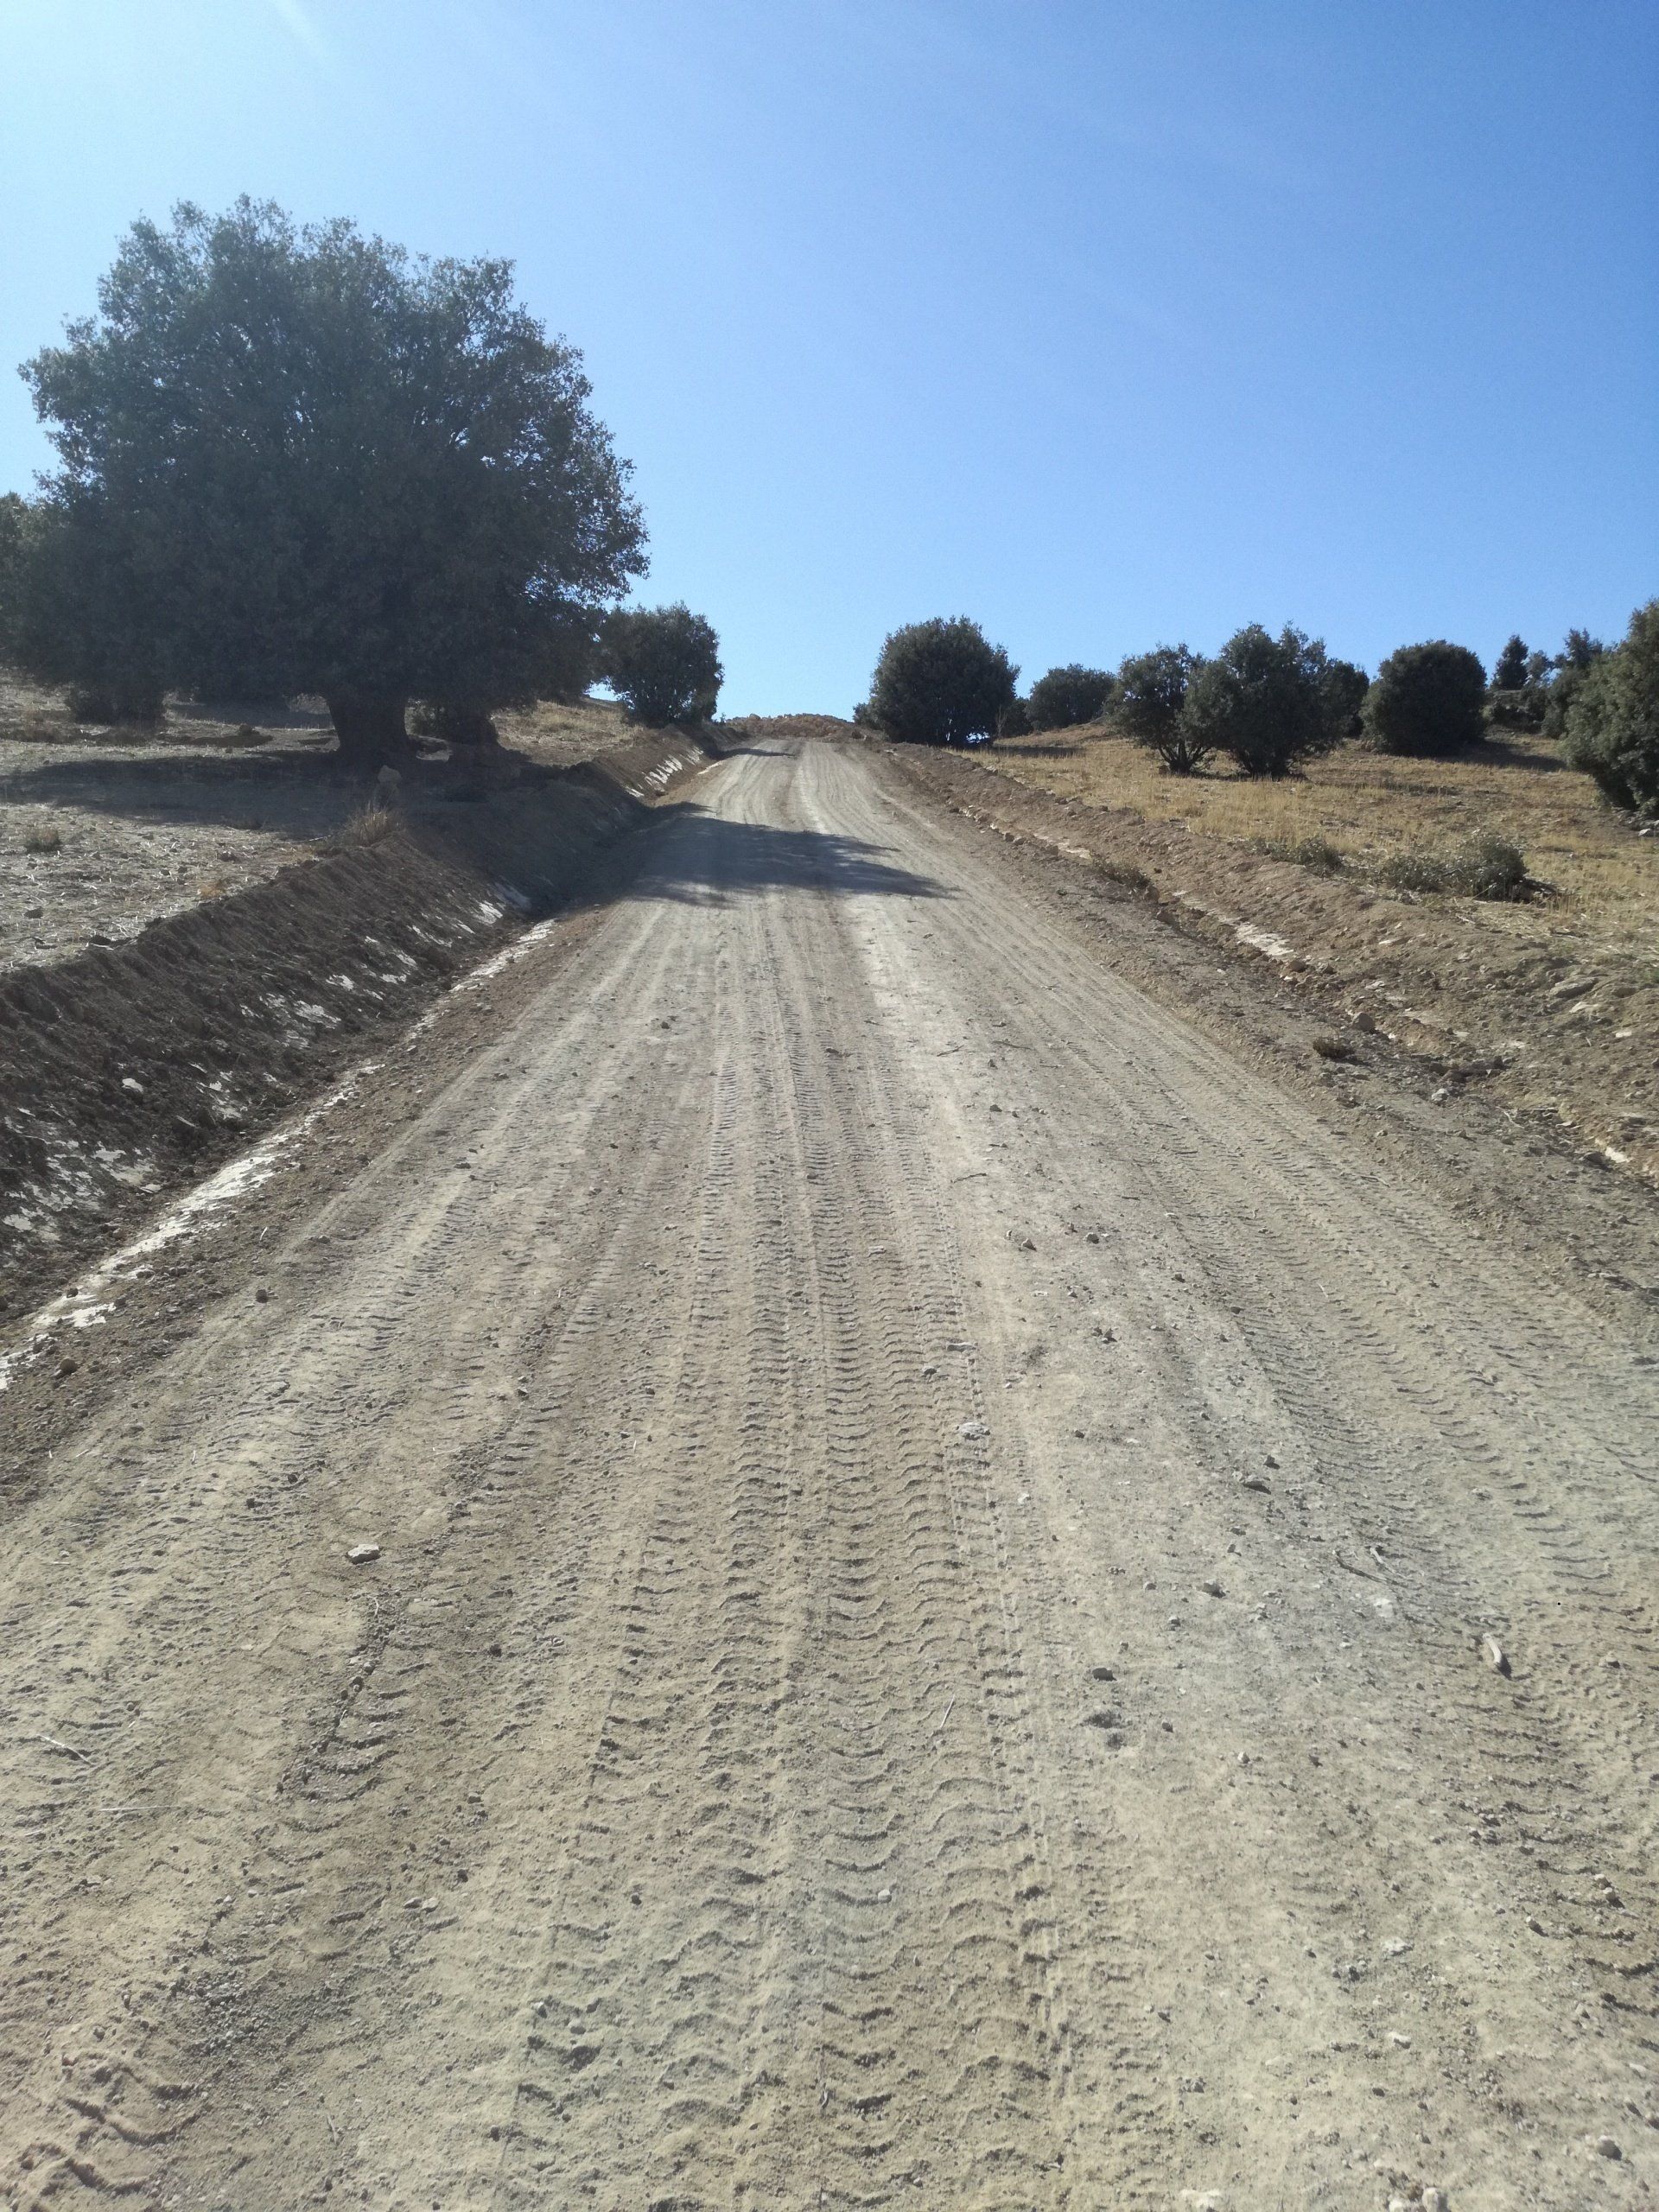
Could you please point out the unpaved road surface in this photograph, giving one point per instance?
(828, 1724)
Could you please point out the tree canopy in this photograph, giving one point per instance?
(1263, 700)
(306, 458)
(1068, 695)
(1426, 699)
(663, 662)
(1151, 705)
(941, 683)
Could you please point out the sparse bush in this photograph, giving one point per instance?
(299, 457)
(1316, 854)
(862, 716)
(370, 824)
(941, 683)
(1066, 697)
(42, 843)
(662, 662)
(1150, 705)
(1613, 719)
(1262, 701)
(1427, 699)
(1485, 867)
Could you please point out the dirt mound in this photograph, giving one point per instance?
(130, 1066)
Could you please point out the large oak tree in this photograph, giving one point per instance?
(301, 460)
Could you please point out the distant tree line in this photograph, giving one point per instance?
(301, 460)
(1270, 703)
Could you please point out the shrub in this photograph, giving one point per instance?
(1262, 701)
(133, 702)
(1014, 721)
(1151, 700)
(1612, 718)
(662, 662)
(1427, 699)
(1066, 697)
(941, 683)
(369, 476)
(1485, 867)
(457, 724)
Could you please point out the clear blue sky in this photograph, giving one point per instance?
(1104, 323)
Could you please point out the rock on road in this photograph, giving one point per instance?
(939, 1542)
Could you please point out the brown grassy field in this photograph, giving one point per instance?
(1372, 807)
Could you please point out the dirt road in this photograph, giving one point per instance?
(971, 1610)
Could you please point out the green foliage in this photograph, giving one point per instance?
(1342, 686)
(1510, 671)
(1066, 697)
(941, 683)
(1578, 656)
(302, 458)
(1014, 721)
(1151, 700)
(1484, 866)
(14, 520)
(663, 662)
(1612, 718)
(1263, 699)
(1427, 699)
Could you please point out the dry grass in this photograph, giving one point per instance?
(1372, 809)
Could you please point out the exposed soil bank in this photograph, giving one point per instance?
(133, 1067)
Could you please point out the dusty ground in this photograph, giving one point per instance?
(1605, 877)
(1550, 1009)
(974, 1605)
(102, 832)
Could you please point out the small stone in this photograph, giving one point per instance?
(262, 1296)
(1254, 1482)
(1395, 1947)
(1434, 2200)
(1212, 1589)
(1537, 1926)
(131, 1084)
(970, 1431)
(1497, 1656)
(1439, 1095)
(1270, 1461)
(1607, 2147)
(361, 1554)
(1400, 2042)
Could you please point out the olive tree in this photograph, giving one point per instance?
(1426, 699)
(1612, 718)
(305, 457)
(663, 662)
(941, 683)
(1150, 707)
(1263, 699)
(1066, 697)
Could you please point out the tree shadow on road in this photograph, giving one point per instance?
(703, 860)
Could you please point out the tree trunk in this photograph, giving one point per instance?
(370, 727)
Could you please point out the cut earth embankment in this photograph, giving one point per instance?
(130, 1069)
